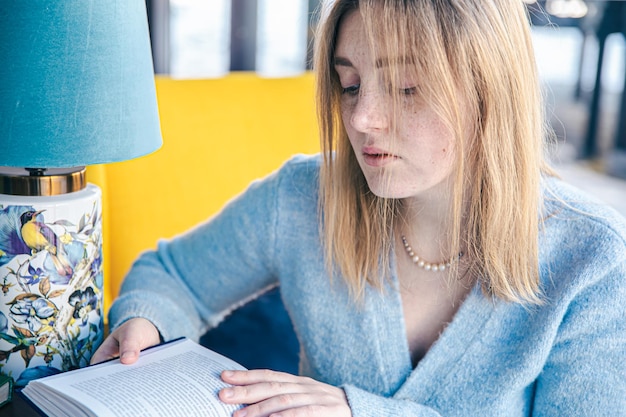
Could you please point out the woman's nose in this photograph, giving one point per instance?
(370, 113)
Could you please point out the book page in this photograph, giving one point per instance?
(5, 392)
(177, 379)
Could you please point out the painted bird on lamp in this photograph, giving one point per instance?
(38, 236)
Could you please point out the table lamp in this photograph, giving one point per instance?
(76, 88)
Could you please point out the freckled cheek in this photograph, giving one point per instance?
(447, 157)
(440, 150)
(431, 137)
(445, 138)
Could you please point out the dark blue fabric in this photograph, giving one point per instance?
(258, 335)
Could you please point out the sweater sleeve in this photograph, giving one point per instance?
(189, 283)
(366, 404)
(585, 373)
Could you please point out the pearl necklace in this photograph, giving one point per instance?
(441, 266)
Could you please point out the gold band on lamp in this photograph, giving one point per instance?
(56, 181)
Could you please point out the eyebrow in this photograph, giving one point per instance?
(384, 62)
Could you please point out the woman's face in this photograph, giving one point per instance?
(418, 162)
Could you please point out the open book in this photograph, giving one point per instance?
(179, 378)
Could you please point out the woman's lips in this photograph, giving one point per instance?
(377, 157)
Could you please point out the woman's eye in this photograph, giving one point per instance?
(406, 91)
(351, 90)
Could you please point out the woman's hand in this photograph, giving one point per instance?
(127, 341)
(270, 393)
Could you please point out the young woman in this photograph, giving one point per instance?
(430, 261)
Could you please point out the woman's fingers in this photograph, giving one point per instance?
(258, 375)
(127, 341)
(109, 349)
(267, 392)
(288, 403)
(248, 394)
(257, 385)
(135, 335)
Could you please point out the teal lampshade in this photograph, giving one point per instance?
(76, 83)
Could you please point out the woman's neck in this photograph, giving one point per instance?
(426, 223)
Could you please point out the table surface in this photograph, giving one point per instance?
(18, 407)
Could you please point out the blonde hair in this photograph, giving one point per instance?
(483, 49)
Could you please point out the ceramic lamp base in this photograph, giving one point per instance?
(51, 282)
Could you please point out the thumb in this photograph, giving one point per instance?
(129, 356)
(135, 335)
(129, 351)
(108, 350)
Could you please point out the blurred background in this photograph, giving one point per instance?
(580, 47)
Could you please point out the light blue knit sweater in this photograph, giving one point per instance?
(565, 358)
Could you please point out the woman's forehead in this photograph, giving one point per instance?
(354, 40)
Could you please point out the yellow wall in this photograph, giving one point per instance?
(218, 135)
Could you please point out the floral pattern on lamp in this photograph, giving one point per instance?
(51, 281)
